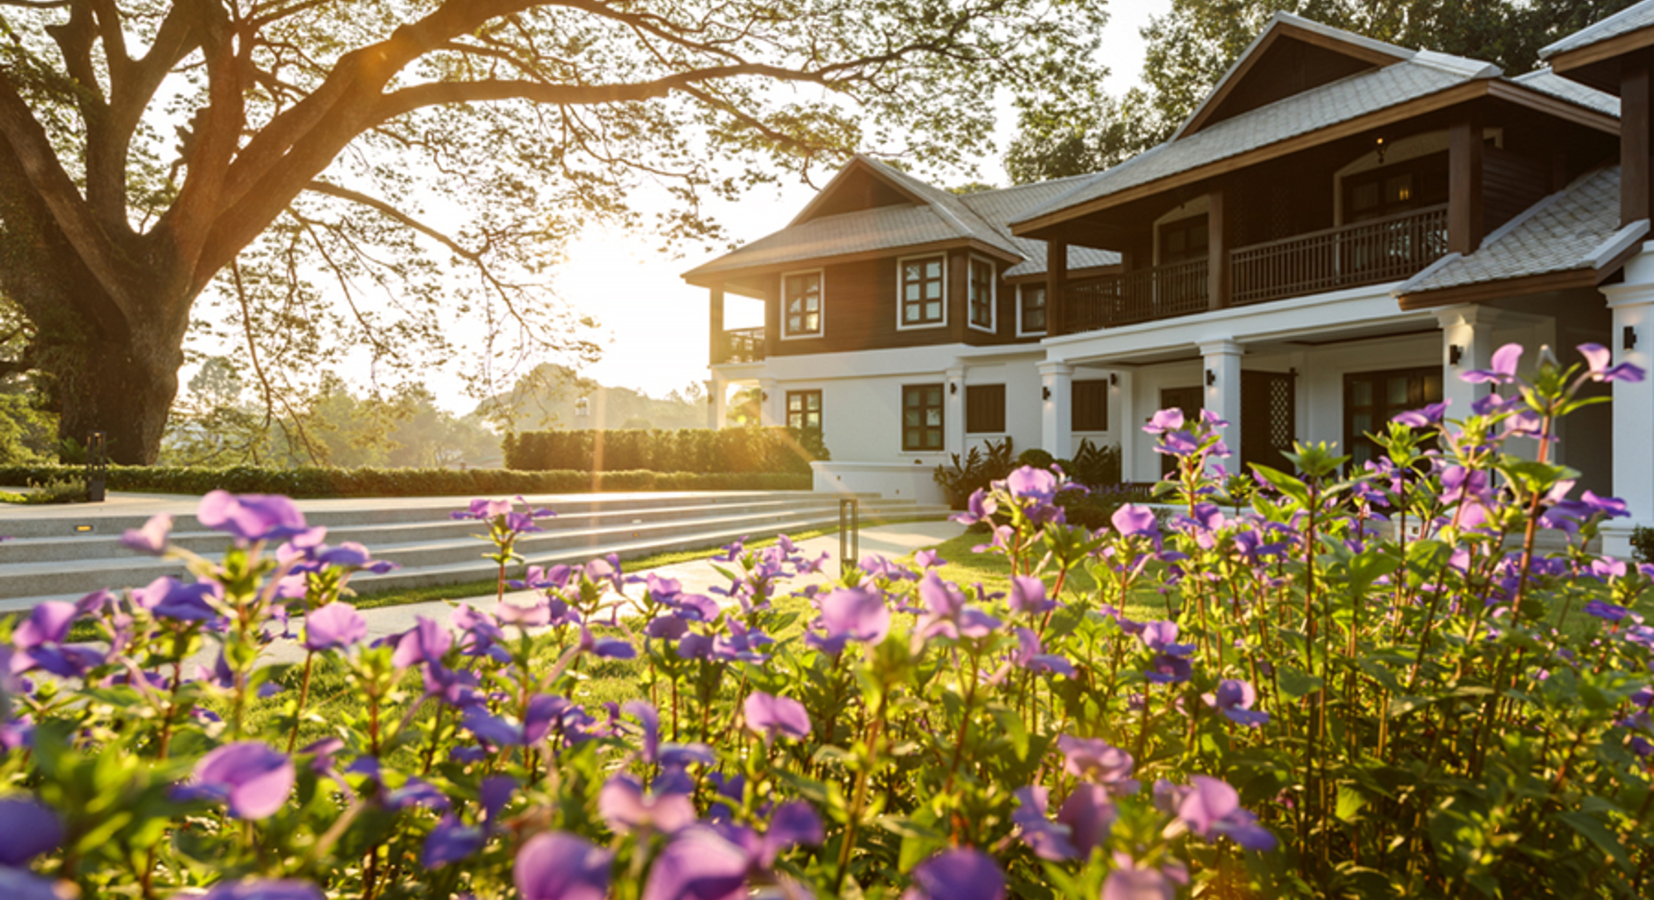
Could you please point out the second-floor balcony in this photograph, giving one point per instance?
(1371, 252)
(740, 345)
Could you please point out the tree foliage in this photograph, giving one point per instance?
(396, 178)
(1191, 46)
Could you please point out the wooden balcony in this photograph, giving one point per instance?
(741, 345)
(1371, 252)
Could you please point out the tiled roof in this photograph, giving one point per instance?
(1573, 228)
(1627, 20)
(1547, 82)
(1302, 113)
(945, 217)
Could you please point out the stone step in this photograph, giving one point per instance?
(432, 558)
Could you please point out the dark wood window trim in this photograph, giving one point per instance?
(981, 311)
(1030, 309)
(1184, 240)
(1395, 188)
(804, 410)
(922, 418)
(1088, 405)
(928, 308)
(985, 409)
(1373, 398)
(810, 313)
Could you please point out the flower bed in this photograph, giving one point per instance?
(1321, 711)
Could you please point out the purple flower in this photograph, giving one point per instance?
(450, 841)
(253, 778)
(1029, 483)
(928, 559)
(1211, 808)
(608, 648)
(152, 537)
(958, 874)
(1421, 418)
(48, 623)
(699, 864)
(947, 614)
(1089, 813)
(168, 598)
(1028, 595)
(558, 866)
(264, 889)
(427, 641)
(1161, 637)
(1165, 420)
(1505, 360)
(1611, 612)
(1597, 359)
(1611, 507)
(981, 506)
(1028, 656)
(334, 627)
(768, 715)
(857, 614)
(21, 884)
(1034, 826)
(1132, 520)
(484, 510)
(251, 517)
(27, 829)
(1234, 698)
(627, 807)
(1127, 882)
(1092, 759)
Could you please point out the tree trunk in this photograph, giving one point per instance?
(124, 389)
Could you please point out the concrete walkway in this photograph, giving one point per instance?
(696, 576)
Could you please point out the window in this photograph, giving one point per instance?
(922, 417)
(985, 409)
(1031, 300)
(1183, 240)
(982, 294)
(1373, 398)
(801, 304)
(921, 290)
(1088, 409)
(1396, 188)
(804, 410)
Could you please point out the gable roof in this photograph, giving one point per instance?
(1283, 25)
(938, 217)
(1575, 230)
(1547, 82)
(1633, 18)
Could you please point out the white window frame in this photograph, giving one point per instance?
(993, 294)
(821, 314)
(1023, 332)
(901, 261)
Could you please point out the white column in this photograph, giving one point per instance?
(1056, 415)
(953, 418)
(717, 403)
(772, 408)
(1469, 328)
(1127, 423)
(1222, 380)
(1632, 305)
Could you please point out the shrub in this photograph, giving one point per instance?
(1272, 700)
(328, 481)
(697, 450)
(1035, 457)
(962, 477)
(1642, 543)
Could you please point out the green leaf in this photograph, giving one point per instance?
(1013, 726)
(1592, 829)
(1350, 803)
(1295, 684)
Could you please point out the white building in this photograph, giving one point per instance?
(1339, 230)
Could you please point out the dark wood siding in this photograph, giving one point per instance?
(985, 409)
(1510, 184)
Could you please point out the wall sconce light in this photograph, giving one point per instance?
(953, 387)
(1378, 145)
(1211, 378)
(1629, 341)
(1114, 379)
(764, 396)
(1455, 354)
(1045, 392)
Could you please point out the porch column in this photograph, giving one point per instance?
(771, 403)
(1464, 185)
(1123, 399)
(717, 349)
(772, 318)
(717, 403)
(1467, 343)
(1222, 381)
(1635, 180)
(1056, 408)
(953, 419)
(1217, 246)
(1056, 287)
(1632, 305)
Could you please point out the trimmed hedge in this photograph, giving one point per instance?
(327, 481)
(701, 450)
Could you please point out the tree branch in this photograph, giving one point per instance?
(332, 190)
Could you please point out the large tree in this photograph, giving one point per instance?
(313, 135)
(1196, 41)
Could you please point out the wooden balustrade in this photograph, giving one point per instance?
(1141, 296)
(742, 345)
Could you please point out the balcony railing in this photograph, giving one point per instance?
(1369, 252)
(1162, 292)
(743, 345)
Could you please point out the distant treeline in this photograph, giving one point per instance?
(697, 450)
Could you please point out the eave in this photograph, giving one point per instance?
(730, 279)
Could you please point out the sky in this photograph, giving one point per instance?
(657, 325)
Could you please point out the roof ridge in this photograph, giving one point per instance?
(1458, 65)
(1603, 24)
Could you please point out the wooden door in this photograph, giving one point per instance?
(1189, 399)
(1269, 418)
